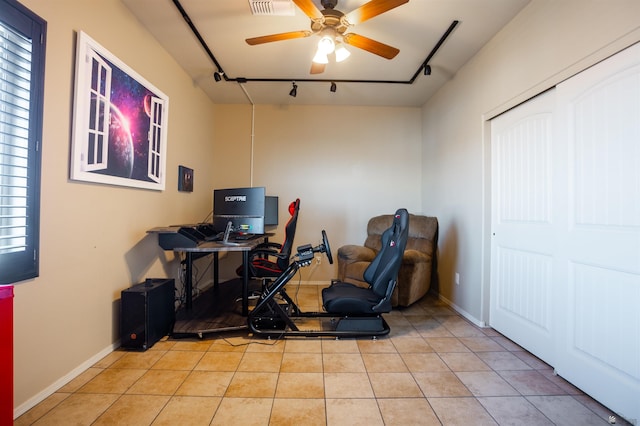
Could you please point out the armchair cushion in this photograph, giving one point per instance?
(418, 265)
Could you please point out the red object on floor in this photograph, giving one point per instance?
(6, 355)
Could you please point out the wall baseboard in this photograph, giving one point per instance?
(51, 389)
(464, 313)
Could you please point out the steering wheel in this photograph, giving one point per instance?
(327, 249)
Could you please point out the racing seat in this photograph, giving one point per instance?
(381, 275)
(268, 260)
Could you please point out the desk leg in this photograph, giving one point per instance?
(188, 284)
(215, 270)
(245, 283)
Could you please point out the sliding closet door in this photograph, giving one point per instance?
(598, 285)
(523, 229)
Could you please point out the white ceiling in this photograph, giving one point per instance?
(415, 28)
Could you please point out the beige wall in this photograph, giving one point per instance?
(546, 43)
(346, 164)
(93, 237)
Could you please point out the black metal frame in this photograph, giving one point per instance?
(277, 318)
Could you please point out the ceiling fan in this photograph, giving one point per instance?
(332, 26)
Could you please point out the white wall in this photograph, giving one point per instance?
(93, 237)
(546, 43)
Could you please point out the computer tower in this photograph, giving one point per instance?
(147, 313)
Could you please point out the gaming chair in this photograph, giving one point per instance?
(268, 260)
(381, 275)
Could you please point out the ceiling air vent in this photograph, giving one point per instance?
(272, 7)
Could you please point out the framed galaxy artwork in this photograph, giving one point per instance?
(185, 179)
(119, 123)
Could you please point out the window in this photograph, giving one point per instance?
(22, 51)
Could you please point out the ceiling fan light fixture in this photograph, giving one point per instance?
(320, 58)
(294, 90)
(326, 44)
(341, 53)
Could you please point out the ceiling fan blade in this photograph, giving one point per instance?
(316, 68)
(370, 45)
(372, 9)
(278, 37)
(309, 9)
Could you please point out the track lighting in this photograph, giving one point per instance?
(427, 70)
(333, 87)
(294, 90)
(217, 76)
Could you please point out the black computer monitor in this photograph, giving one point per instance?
(243, 207)
(271, 210)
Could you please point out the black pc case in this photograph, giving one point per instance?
(147, 313)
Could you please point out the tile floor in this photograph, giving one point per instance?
(435, 368)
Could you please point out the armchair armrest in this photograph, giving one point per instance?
(355, 253)
(352, 262)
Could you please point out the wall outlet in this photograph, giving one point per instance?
(457, 278)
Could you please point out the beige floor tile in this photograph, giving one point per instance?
(138, 359)
(82, 379)
(113, 381)
(462, 361)
(303, 345)
(108, 360)
(565, 410)
(446, 344)
(531, 382)
(301, 363)
(486, 383)
(188, 410)
(41, 409)
(347, 385)
(384, 363)
(417, 363)
(512, 410)
(441, 384)
(376, 346)
(252, 385)
(205, 383)
(264, 345)
(230, 344)
(158, 382)
(163, 345)
(341, 346)
(503, 361)
(461, 411)
(220, 361)
(243, 411)
(343, 363)
(394, 385)
(178, 360)
(294, 412)
(353, 412)
(300, 385)
(261, 362)
(481, 344)
(134, 410)
(81, 409)
(192, 345)
(407, 411)
(407, 345)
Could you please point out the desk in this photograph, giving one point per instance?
(211, 247)
(173, 238)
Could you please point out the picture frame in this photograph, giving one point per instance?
(119, 122)
(185, 179)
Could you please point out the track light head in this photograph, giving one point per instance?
(427, 69)
(217, 76)
(294, 89)
(333, 87)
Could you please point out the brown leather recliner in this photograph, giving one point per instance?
(419, 263)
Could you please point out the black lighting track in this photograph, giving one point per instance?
(206, 48)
